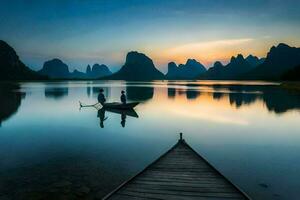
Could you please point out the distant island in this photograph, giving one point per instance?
(57, 69)
(185, 71)
(233, 70)
(137, 67)
(279, 60)
(281, 63)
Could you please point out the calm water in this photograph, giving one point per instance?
(50, 148)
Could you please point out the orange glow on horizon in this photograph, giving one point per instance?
(208, 52)
(203, 107)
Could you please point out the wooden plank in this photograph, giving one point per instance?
(201, 193)
(179, 183)
(178, 174)
(172, 196)
(130, 197)
(183, 183)
(194, 189)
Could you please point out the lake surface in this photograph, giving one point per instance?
(50, 148)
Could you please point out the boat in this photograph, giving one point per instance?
(113, 105)
(122, 106)
(114, 109)
(180, 173)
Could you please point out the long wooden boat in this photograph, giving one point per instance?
(124, 106)
(180, 173)
(113, 105)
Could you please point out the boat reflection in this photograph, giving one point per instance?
(123, 113)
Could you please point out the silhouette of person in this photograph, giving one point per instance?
(123, 119)
(101, 97)
(101, 115)
(123, 97)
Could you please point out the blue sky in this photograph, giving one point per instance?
(82, 32)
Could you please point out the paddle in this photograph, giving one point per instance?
(96, 105)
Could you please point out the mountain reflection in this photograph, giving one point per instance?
(56, 92)
(88, 91)
(240, 99)
(96, 91)
(140, 93)
(192, 94)
(189, 93)
(281, 100)
(276, 99)
(10, 101)
(217, 95)
(171, 93)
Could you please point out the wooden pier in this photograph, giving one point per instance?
(180, 173)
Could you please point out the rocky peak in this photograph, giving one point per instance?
(282, 46)
(191, 62)
(172, 66)
(218, 64)
(134, 58)
(239, 59)
(197, 65)
(282, 50)
(254, 60)
(11, 67)
(88, 69)
(55, 68)
(138, 67)
(8, 57)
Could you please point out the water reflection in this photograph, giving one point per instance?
(240, 99)
(276, 99)
(10, 100)
(96, 91)
(123, 119)
(88, 91)
(192, 94)
(101, 116)
(56, 92)
(171, 92)
(239, 123)
(217, 95)
(281, 101)
(122, 113)
(140, 93)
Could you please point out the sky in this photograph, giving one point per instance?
(82, 32)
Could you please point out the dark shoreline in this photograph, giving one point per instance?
(291, 85)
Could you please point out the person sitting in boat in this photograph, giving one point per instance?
(123, 97)
(101, 97)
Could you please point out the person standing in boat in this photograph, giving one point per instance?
(123, 97)
(101, 97)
